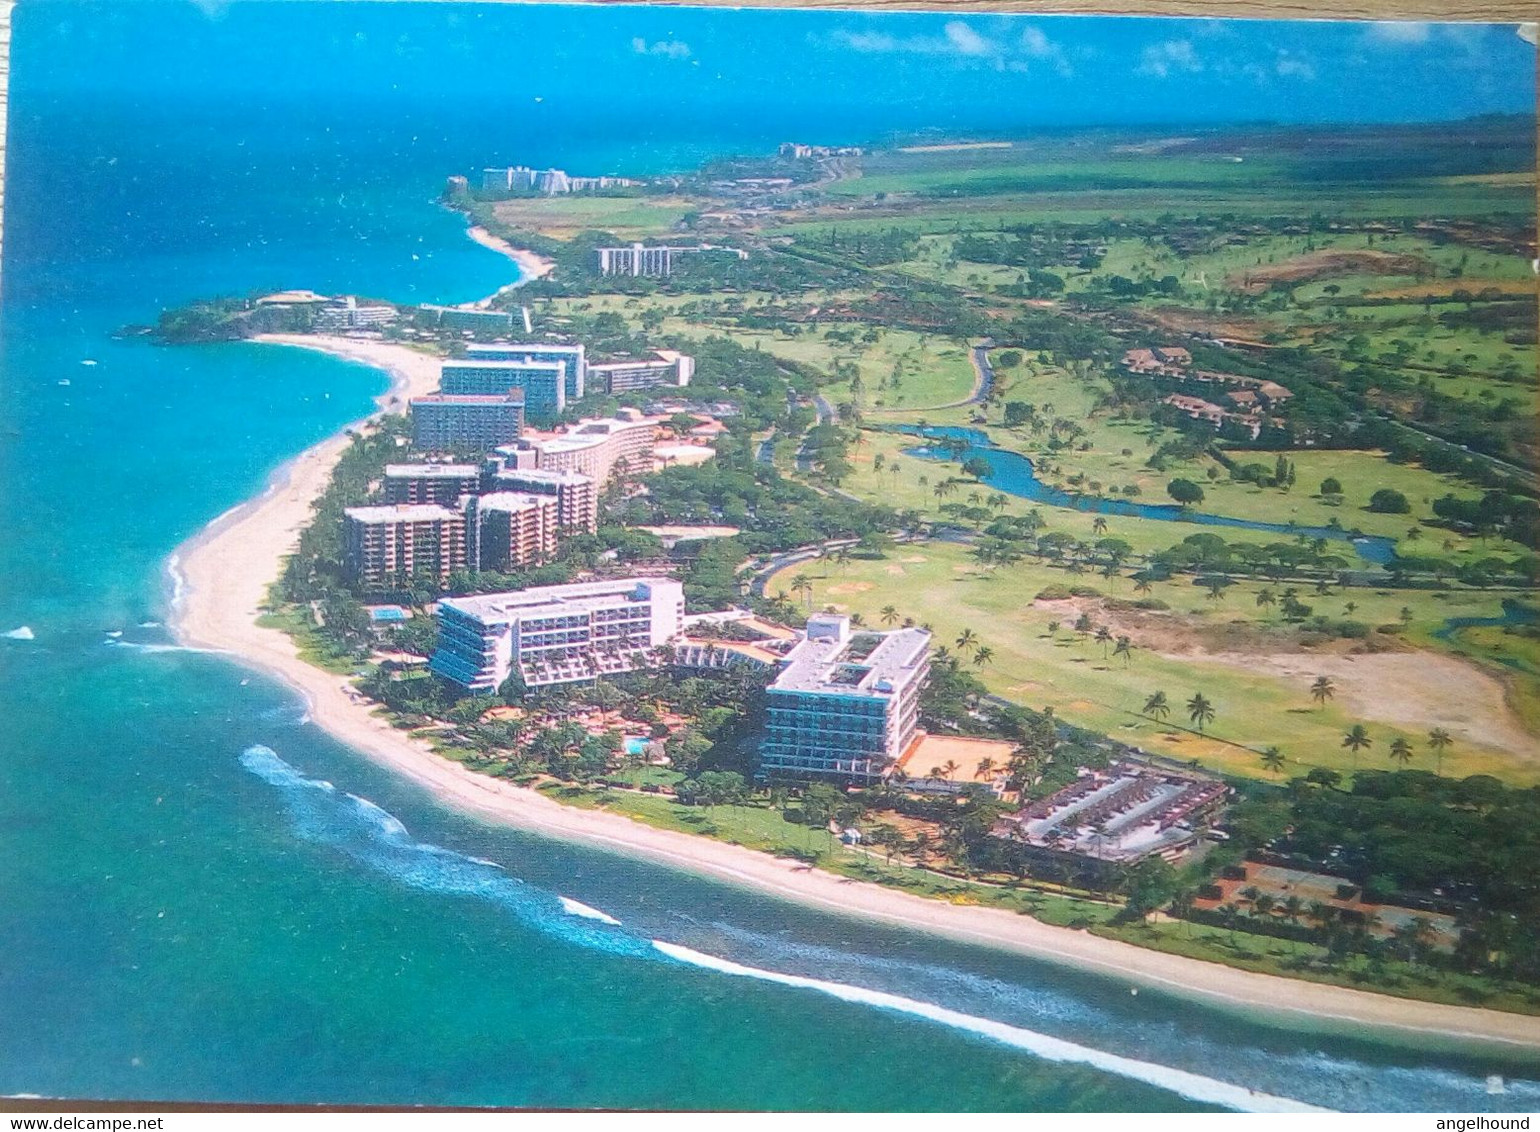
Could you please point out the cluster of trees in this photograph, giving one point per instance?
(1407, 835)
(868, 247)
(735, 489)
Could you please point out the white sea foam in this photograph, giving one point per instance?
(178, 580)
(21, 633)
(149, 624)
(384, 820)
(152, 647)
(576, 908)
(114, 633)
(1193, 1086)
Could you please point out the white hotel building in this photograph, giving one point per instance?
(845, 705)
(556, 634)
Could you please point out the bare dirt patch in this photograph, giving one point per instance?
(850, 588)
(1450, 286)
(1326, 265)
(1408, 689)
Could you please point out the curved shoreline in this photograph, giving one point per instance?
(228, 566)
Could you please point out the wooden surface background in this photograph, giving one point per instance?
(1500, 11)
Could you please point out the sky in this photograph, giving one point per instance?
(940, 69)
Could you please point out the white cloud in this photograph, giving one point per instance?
(963, 40)
(1170, 57)
(1290, 68)
(1398, 33)
(667, 48)
(969, 42)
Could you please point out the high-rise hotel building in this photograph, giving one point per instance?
(576, 495)
(572, 359)
(465, 422)
(541, 384)
(509, 529)
(556, 634)
(386, 548)
(443, 484)
(845, 705)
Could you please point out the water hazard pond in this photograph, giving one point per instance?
(1013, 474)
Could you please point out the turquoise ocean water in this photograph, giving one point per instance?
(202, 896)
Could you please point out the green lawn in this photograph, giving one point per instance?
(1257, 705)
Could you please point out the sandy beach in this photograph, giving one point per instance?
(226, 571)
(531, 266)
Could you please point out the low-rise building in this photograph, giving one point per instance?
(387, 548)
(469, 318)
(443, 484)
(444, 422)
(347, 313)
(556, 634)
(845, 704)
(666, 367)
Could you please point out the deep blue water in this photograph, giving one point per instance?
(1012, 473)
(186, 911)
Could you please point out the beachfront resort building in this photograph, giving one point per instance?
(509, 529)
(443, 484)
(386, 548)
(618, 445)
(640, 259)
(468, 318)
(456, 422)
(576, 495)
(523, 179)
(543, 385)
(347, 313)
(572, 359)
(556, 634)
(845, 705)
(1115, 817)
(666, 367)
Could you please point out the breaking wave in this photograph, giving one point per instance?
(376, 838)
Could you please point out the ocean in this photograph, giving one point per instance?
(204, 897)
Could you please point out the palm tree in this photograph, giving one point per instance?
(1099, 525)
(1200, 710)
(1156, 707)
(1124, 649)
(1401, 750)
(985, 655)
(803, 585)
(1322, 690)
(1141, 584)
(1273, 760)
(1440, 740)
(967, 639)
(1266, 597)
(1104, 638)
(949, 768)
(1356, 740)
(889, 615)
(985, 769)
